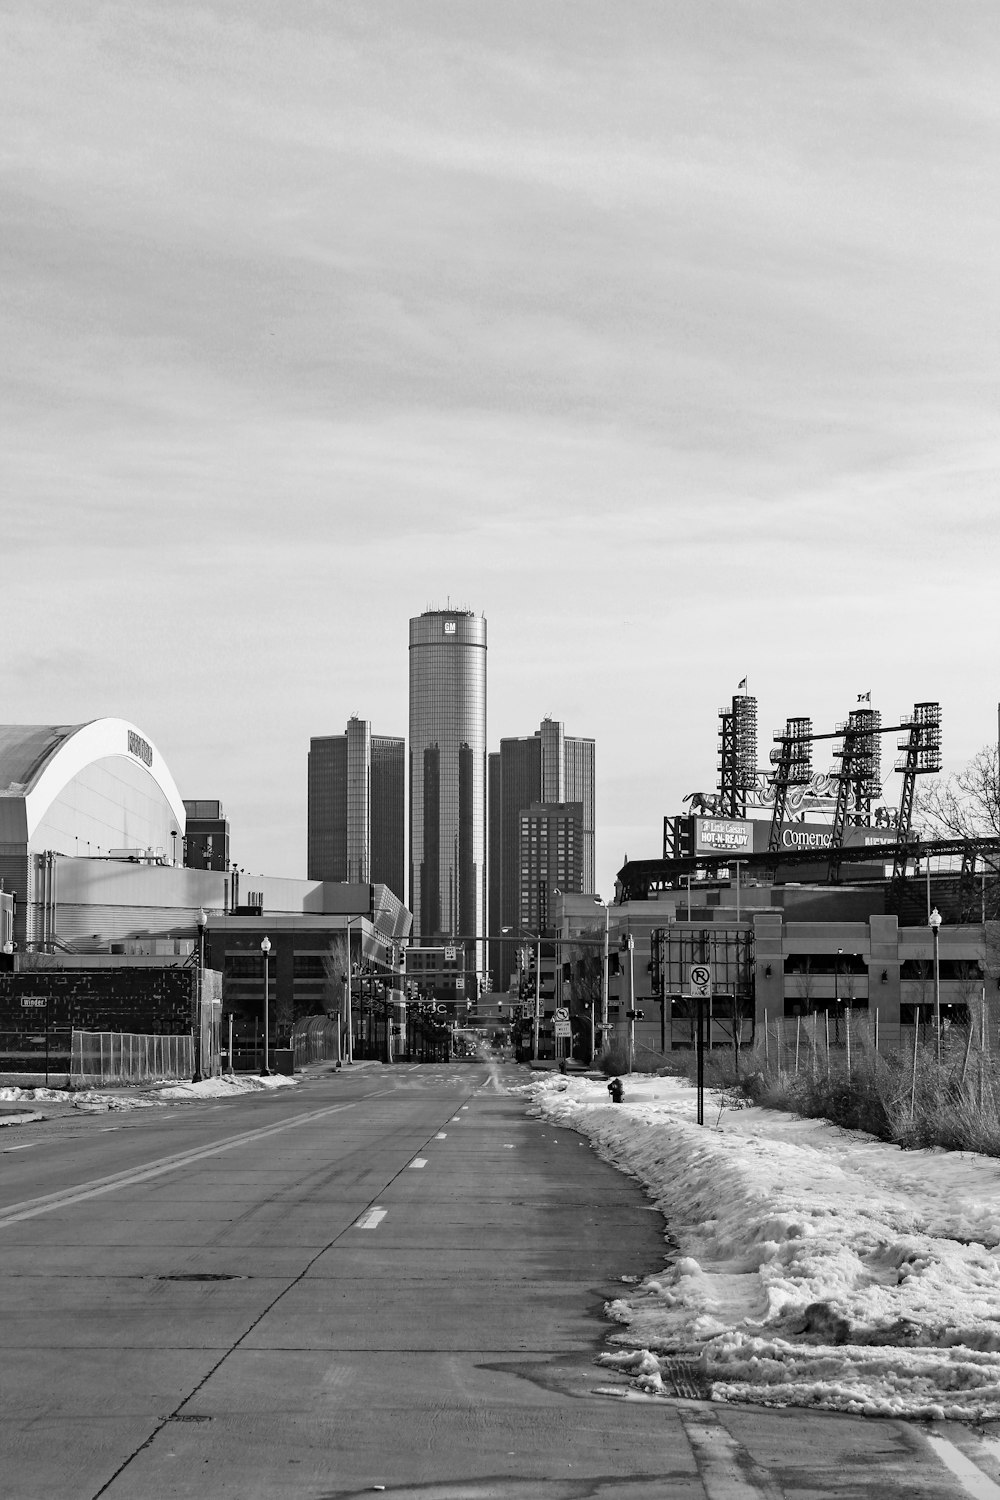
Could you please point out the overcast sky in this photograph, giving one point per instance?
(663, 334)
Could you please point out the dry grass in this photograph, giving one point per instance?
(914, 1102)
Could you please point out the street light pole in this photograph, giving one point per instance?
(265, 948)
(538, 997)
(605, 956)
(630, 945)
(196, 1076)
(934, 921)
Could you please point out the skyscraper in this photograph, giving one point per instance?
(550, 768)
(447, 774)
(356, 807)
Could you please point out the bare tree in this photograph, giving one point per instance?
(966, 804)
(335, 961)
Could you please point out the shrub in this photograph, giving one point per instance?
(614, 1062)
(916, 1105)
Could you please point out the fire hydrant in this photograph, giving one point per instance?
(617, 1090)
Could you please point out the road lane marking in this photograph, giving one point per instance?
(441, 1136)
(725, 1469)
(32, 1207)
(371, 1218)
(418, 1161)
(969, 1475)
(456, 1119)
(25, 1147)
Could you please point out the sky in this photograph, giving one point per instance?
(806, 1265)
(664, 335)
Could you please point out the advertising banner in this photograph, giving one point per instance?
(802, 837)
(722, 835)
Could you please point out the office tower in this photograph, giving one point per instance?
(206, 835)
(551, 768)
(356, 784)
(551, 848)
(447, 774)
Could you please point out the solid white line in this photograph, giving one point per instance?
(970, 1477)
(32, 1207)
(418, 1161)
(722, 1463)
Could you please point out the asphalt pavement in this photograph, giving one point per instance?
(391, 1279)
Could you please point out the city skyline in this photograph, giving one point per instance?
(670, 345)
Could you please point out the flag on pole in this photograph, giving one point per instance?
(865, 697)
(741, 684)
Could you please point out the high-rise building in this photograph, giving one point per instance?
(356, 783)
(551, 845)
(448, 774)
(551, 768)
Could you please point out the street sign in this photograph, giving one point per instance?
(563, 1028)
(450, 955)
(700, 980)
(561, 1013)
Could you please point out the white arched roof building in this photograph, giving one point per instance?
(82, 789)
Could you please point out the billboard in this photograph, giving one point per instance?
(802, 837)
(722, 836)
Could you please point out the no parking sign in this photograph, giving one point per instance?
(700, 980)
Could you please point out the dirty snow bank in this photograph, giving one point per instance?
(151, 1094)
(810, 1265)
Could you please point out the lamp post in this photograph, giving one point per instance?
(358, 917)
(604, 975)
(265, 948)
(196, 1076)
(934, 922)
(630, 946)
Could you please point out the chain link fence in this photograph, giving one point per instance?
(103, 1057)
(43, 1053)
(316, 1039)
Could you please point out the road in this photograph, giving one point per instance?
(381, 1280)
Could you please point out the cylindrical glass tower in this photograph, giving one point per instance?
(448, 774)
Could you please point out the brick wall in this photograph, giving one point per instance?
(150, 1001)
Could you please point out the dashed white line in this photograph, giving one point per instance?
(25, 1147)
(418, 1161)
(371, 1219)
(441, 1136)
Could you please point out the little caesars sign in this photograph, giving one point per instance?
(722, 835)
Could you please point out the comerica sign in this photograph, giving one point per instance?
(722, 833)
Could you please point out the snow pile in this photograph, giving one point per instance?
(152, 1094)
(224, 1088)
(813, 1266)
